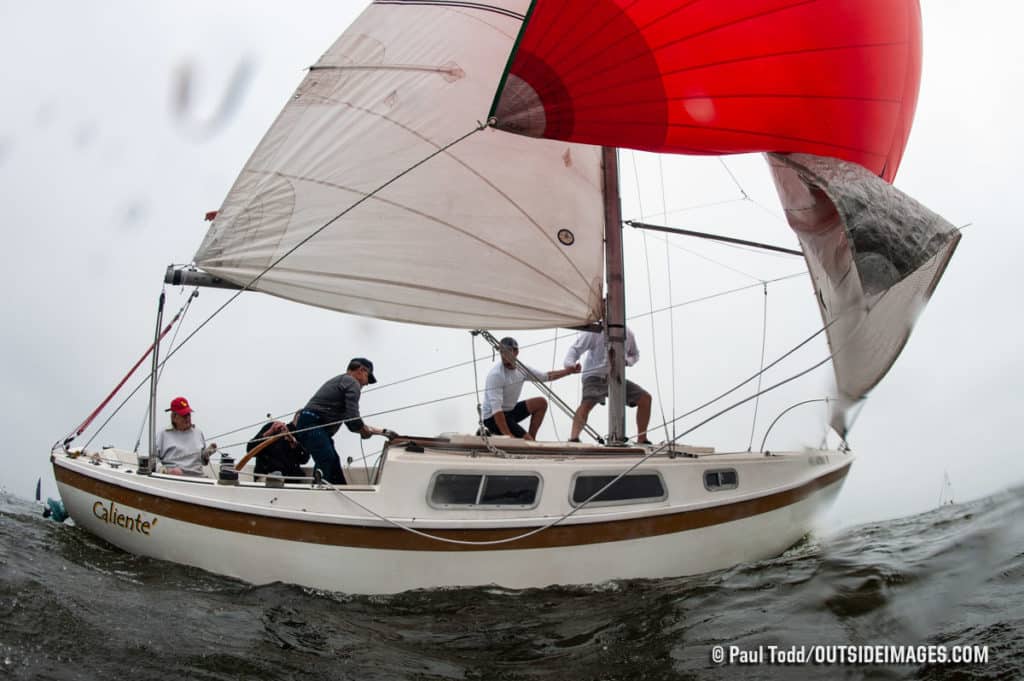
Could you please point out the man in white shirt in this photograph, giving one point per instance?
(502, 410)
(595, 381)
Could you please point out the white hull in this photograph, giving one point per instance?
(328, 539)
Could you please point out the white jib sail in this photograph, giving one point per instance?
(498, 231)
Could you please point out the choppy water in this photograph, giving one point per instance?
(73, 607)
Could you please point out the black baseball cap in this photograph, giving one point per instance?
(509, 342)
(362, 361)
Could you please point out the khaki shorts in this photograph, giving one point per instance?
(595, 389)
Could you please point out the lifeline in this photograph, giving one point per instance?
(113, 516)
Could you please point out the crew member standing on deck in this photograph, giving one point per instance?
(336, 402)
(595, 381)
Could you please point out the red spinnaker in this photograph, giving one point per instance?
(834, 78)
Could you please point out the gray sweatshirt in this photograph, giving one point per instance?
(181, 449)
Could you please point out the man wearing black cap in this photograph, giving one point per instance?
(502, 410)
(336, 402)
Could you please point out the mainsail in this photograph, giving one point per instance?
(497, 231)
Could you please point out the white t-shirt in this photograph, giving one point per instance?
(503, 387)
(593, 345)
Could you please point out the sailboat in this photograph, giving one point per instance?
(454, 164)
(946, 493)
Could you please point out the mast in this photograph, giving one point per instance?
(615, 305)
(152, 386)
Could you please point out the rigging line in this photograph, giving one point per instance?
(654, 336)
(762, 371)
(770, 212)
(735, 181)
(720, 294)
(696, 206)
(435, 371)
(668, 271)
(760, 374)
(791, 351)
(160, 372)
(725, 202)
(261, 422)
(650, 297)
(554, 358)
(713, 261)
(114, 413)
(382, 67)
(585, 503)
(480, 6)
(540, 384)
(340, 422)
(492, 542)
(754, 396)
(764, 440)
(95, 412)
(506, 540)
(303, 241)
(141, 383)
(860, 409)
(477, 359)
(745, 249)
(835, 319)
(427, 374)
(476, 384)
(482, 431)
(524, 346)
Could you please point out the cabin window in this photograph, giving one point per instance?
(629, 489)
(721, 479)
(518, 490)
(455, 489)
(474, 489)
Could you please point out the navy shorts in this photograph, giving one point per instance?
(512, 418)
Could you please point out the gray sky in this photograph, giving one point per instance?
(106, 174)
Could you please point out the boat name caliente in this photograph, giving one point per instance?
(113, 516)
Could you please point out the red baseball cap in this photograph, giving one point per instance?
(180, 406)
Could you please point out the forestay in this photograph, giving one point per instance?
(497, 231)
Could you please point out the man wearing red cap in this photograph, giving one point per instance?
(182, 449)
(336, 402)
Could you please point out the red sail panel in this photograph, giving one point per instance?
(833, 78)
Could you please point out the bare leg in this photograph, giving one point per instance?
(538, 407)
(643, 417)
(579, 419)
